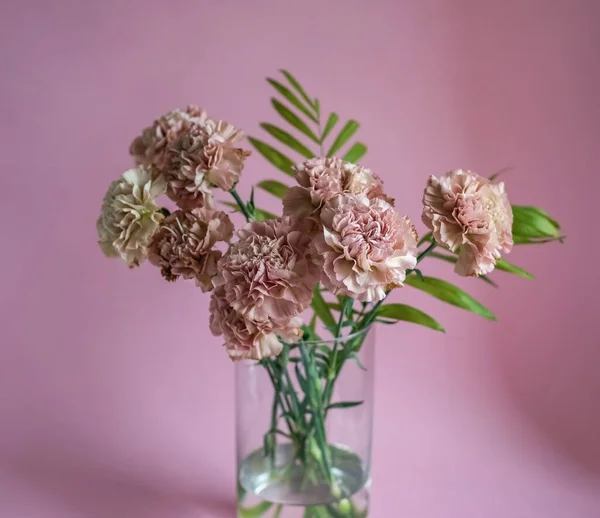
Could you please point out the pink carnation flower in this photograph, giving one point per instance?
(204, 156)
(321, 179)
(268, 273)
(246, 339)
(150, 148)
(183, 246)
(365, 247)
(469, 214)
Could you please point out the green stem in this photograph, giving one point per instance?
(333, 367)
(427, 251)
(243, 207)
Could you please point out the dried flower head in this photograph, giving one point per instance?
(183, 245)
(321, 179)
(130, 215)
(268, 273)
(365, 247)
(469, 214)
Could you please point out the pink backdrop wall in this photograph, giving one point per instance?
(115, 401)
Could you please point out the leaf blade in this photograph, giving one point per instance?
(321, 308)
(450, 294)
(278, 159)
(291, 97)
(292, 119)
(533, 222)
(273, 187)
(349, 129)
(289, 140)
(331, 122)
(409, 314)
(355, 153)
(344, 404)
(298, 87)
(505, 266)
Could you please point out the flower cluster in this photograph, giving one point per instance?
(338, 229)
(186, 155)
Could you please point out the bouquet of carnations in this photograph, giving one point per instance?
(324, 267)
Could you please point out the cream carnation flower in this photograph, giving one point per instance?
(321, 179)
(246, 339)
(469, 214)
(203, 157)
(365, 247)
(130, 216)
(150, 148)
(268, 273)
(183, 245)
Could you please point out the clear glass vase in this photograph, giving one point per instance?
(303, 430)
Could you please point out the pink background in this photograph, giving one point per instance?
(115, 401)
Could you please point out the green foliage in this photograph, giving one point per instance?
(505, 266)
(344, 404)
(291, 97)
(331, 122)
(449, 293)
(408, 314)
(307, 121)
(277, 158)
(533, 225)
(274, 187)
(285, 138)
(356, 152)
(294, 120)
(321, 308)
(344, 136)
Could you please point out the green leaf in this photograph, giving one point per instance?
(505, 266)
(259, 214)
(293, 119)
(287, 139)
(254, 512)
(356, 152)
(291, 97)
(520, 240)
(452, 259)
(348, 130)
(279, 160)
(450, 294)
(532, 222)
(274, 187)
(295, 84)
(321, 308)
(408, 314)
(331, 122)
(344, 404)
